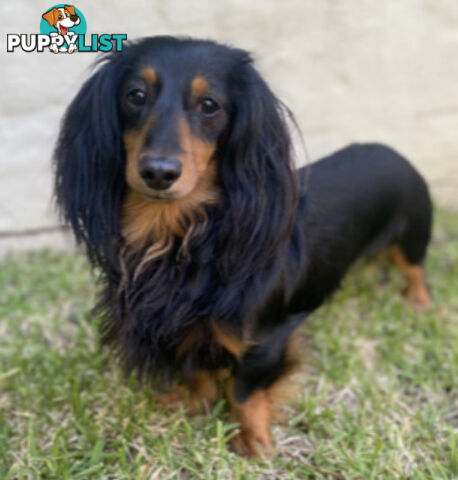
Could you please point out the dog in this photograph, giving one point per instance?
(174, 168)
(62, 19)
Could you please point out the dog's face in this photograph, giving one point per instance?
(62, 18)
(174, 110)
(170, 137)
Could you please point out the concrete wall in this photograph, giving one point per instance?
(351, 70)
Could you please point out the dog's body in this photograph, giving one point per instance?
(213, 248)
(389, 205)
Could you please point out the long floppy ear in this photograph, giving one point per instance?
(89, 163)
(258, 175)
(50, 17)
(70, 8)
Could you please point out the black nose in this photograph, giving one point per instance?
(159, 172)
(74, 18)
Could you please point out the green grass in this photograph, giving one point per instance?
(378, 392)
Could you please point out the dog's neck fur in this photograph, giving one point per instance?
(156, 223)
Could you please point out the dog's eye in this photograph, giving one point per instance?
(208, 106)
(60, 16)
(136, 97)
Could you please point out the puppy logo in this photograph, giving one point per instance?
(63, 29)
(63, 21)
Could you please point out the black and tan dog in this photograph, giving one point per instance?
(174, 169)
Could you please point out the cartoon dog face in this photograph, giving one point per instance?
(62, 18)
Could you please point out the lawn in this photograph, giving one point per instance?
(378, 391)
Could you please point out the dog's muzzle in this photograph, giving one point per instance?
(159, 173)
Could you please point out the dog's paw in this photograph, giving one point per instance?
(419, 297)
(421, 300)
(72, 48)
(253, 445)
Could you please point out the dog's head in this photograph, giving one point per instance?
(173, 115)
(172, 121)
(62, 18)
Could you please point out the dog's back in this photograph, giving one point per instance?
(357, 201)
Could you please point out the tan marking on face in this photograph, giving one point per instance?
(416, 290)
(156, 221)
(149, 75)
(144, 220)
(134, 141)
(199, 86)
(195, 159)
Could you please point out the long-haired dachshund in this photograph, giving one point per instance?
(174, 169)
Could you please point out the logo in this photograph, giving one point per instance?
(63, 30)
(66, 22)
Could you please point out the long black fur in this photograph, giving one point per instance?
(270, 253)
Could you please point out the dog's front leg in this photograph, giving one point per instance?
(254, 416)
(260, 382)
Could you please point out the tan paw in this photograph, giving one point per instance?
(250, 444)
(420, 297)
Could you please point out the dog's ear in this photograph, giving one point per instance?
(89, 163)
(257, 171)
(70, 8)
(50, 16)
